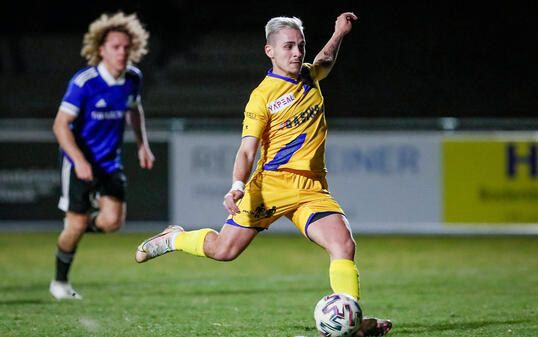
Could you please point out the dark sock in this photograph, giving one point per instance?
(63, 263)
(92, 226)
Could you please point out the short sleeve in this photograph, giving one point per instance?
(255, 119)
(311, 71)
(73, 99)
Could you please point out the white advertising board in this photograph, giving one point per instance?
(378, 178)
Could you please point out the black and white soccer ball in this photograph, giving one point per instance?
(338, 315)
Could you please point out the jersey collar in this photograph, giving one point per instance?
(108, 78)
(306, 86)
(271, 74)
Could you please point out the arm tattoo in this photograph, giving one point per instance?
(329, 54)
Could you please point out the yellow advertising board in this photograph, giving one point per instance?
(490, 179)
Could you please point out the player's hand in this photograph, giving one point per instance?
(229, 201)
(344, 22)
(145, 157)
(83, 169)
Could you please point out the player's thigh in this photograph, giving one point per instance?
(75, 192)
(333, 233)
(113, 184)
(316, 204)
(112, 190)
(230, 242)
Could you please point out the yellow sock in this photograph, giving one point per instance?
(192, 242)
(344, 277)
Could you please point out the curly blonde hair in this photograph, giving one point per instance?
(118, 22)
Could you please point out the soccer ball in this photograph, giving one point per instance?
(338, 315)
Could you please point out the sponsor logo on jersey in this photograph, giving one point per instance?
(251, 115)
(262, 212)
(281, 103)
(304, 116)
(100, 115)
(101, 103)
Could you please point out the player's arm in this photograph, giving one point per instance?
(66, 139)
(244, 160)
(327, 56)
(135, 118)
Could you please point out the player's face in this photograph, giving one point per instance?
(286, 51)
(115, 52)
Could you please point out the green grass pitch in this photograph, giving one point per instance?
(427, 285)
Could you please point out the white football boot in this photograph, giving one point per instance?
(159, 244)
(63, 290)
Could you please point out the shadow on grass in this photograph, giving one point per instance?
(412, 328)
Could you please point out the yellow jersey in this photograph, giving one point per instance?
(288, 116)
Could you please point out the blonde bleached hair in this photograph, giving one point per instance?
(278, 23)
(118, 22)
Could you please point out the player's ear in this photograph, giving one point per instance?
(269, 51)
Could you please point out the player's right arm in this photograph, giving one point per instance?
(66, 139)
(253, 125)
(244, 160)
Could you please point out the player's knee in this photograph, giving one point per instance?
(343, 248)
(110, 222)
(348, 246)
(75, 223)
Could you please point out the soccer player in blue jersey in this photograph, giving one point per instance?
(89, 127)
(285, 118)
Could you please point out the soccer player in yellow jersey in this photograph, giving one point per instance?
(286, 117)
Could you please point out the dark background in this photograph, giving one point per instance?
(36, 175)
(403, 59)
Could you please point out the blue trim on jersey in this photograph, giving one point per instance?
(305, 74)
(284, 154)
(271, 74)
(310, 219)
(233, 223)
(249, 136)
(306, 86)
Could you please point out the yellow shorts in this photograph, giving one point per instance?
(272, 194)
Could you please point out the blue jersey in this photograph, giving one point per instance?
(99, 103)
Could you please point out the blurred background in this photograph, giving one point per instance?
(432, 108)
(403, 59)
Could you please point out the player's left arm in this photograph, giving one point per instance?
(135, 118)
(327, 56)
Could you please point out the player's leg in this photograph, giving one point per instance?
(205, 242)
(112, 211)
(74, 227)
(111, 216)
(258, 211)
(332, 232)
(75, 203)
(229, 243)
